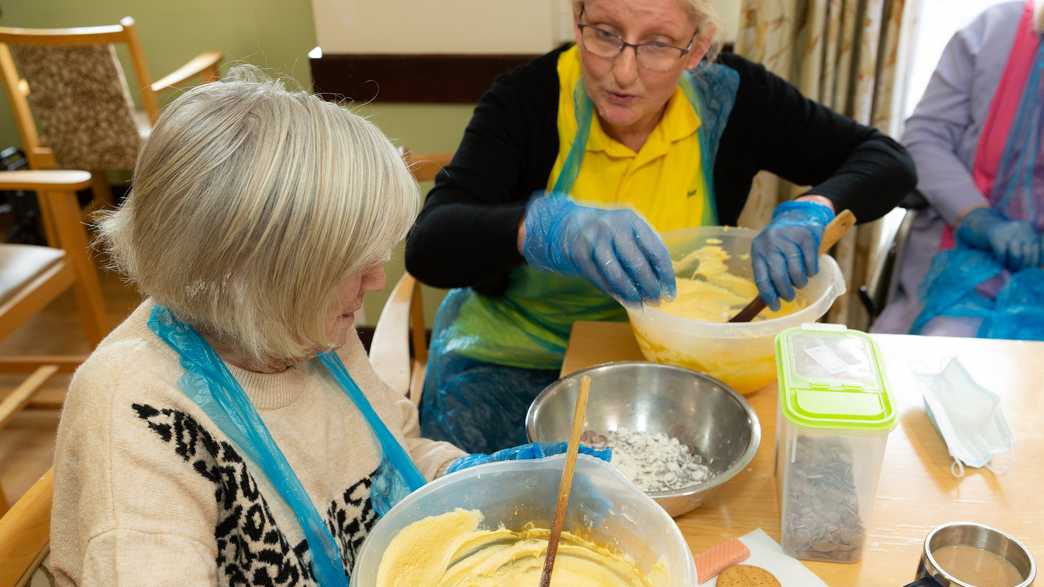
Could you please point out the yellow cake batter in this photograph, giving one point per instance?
(712, 294)
(449, 550)
(708, 292)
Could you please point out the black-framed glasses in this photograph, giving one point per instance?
(654, 56)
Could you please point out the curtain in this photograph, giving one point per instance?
(841, 53)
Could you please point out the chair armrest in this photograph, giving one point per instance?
(25, 530)
(390, 347)
(204, 64)
(61, 180)
(914, 200)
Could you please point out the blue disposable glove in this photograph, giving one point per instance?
(536, 450)
(614, 249)
(786, 253)
(1014, 243)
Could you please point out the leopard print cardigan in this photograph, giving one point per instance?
(251, 549)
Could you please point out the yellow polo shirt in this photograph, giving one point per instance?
(662, 181)
(529, 325)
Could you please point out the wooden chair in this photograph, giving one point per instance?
(46, 72)
(31, 277)
(400, 326)
(25, 533)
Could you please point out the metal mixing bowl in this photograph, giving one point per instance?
(703, 413)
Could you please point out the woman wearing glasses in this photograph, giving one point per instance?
(571, 166)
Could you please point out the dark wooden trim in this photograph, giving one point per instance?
(443, 79)
(431, 78)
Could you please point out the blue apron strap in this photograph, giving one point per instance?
(710, 212)
(208, 382)
(584, 110)
(711, 89)
(390, 447)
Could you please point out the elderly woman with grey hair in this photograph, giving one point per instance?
(231, 430)
(572, 166)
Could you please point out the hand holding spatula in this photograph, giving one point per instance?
(831, 235)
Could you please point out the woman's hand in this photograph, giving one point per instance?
(1014, 243)
(615, 249)
(786, 253)
(536, 450)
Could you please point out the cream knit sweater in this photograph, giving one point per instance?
(149, 491)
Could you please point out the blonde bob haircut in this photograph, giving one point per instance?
(702, 14)
(250, 204)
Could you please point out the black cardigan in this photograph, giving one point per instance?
(466, 234)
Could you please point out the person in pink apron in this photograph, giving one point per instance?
(975, 255)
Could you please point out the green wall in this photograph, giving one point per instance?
(273, 34)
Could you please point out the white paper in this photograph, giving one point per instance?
(767, 554)
(827, 359)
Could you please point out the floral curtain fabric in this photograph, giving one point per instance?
(841, 53)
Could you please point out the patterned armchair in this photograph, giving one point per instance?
(71, 101)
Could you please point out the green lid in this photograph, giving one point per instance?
(831, 378)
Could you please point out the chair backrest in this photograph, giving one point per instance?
(426, 166)
(400, 330)
(47, 74)
(399, 349)
(883, 282)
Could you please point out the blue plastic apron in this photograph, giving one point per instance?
(209, 383)
(490, 356)
(529, 325)
(967, 284)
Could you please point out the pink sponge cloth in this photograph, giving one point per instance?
(720, 557)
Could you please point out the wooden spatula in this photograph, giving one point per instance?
(565, 487)
(833, 233)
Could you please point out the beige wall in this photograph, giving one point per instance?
(729, 10)
(434, 26)
(456, 26)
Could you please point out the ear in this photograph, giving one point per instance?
(701, 45)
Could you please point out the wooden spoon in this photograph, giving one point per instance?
(565, 486)
(833, 233)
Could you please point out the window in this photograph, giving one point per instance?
(932, 24)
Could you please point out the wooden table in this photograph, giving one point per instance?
(917, 491)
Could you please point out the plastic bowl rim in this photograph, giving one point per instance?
(657, 510)
(743, 330)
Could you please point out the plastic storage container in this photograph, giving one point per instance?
(741, 355)
(833, 421)
(604, 507)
